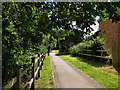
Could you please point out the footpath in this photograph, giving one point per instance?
(68, 76)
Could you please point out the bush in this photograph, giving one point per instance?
(95, 44)
(43, 48)
(74, 50)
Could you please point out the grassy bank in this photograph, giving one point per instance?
(46, 80)
(103, 74)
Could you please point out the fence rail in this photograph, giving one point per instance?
(97, 56)
(18, 74)
(95, 50)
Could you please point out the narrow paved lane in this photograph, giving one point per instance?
(68, 76)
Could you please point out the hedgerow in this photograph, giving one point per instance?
(94, 44)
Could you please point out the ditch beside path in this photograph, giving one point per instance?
(68, 76)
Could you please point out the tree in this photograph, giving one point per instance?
(26, 23)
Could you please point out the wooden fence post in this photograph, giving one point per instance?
(87, 53)
(43, 56)
(33, 73)
(116, 55)
(81, 54)
(42, 59)
(101, 55)
(39, 65)
(116, 58)
(17, 72)
(93, 54)
(119, 80)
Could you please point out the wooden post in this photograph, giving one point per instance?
(33, 73)
(39, 65)
(87, 53)
(42, 59)
(81, 54)
(43, 56)
(101, 55)
(116, 55)
(17, 72)
(116, 58)
(93, 54)
(119, 80)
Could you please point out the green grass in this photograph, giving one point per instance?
(91, 69)
(56, 51)
(46, 80)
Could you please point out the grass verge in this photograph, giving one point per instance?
(106, 79)
(46, 80)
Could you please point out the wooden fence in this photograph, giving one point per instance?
(96, 56)
(116, 55)
(18, 74)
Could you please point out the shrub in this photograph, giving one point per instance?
(74, 50)
(95, 44)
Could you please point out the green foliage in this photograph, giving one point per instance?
(20, 35)
(43, 48)
(29, 28)
(95, 44)
(57, 51)
(73, 37)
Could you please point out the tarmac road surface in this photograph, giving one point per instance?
(68, 76)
